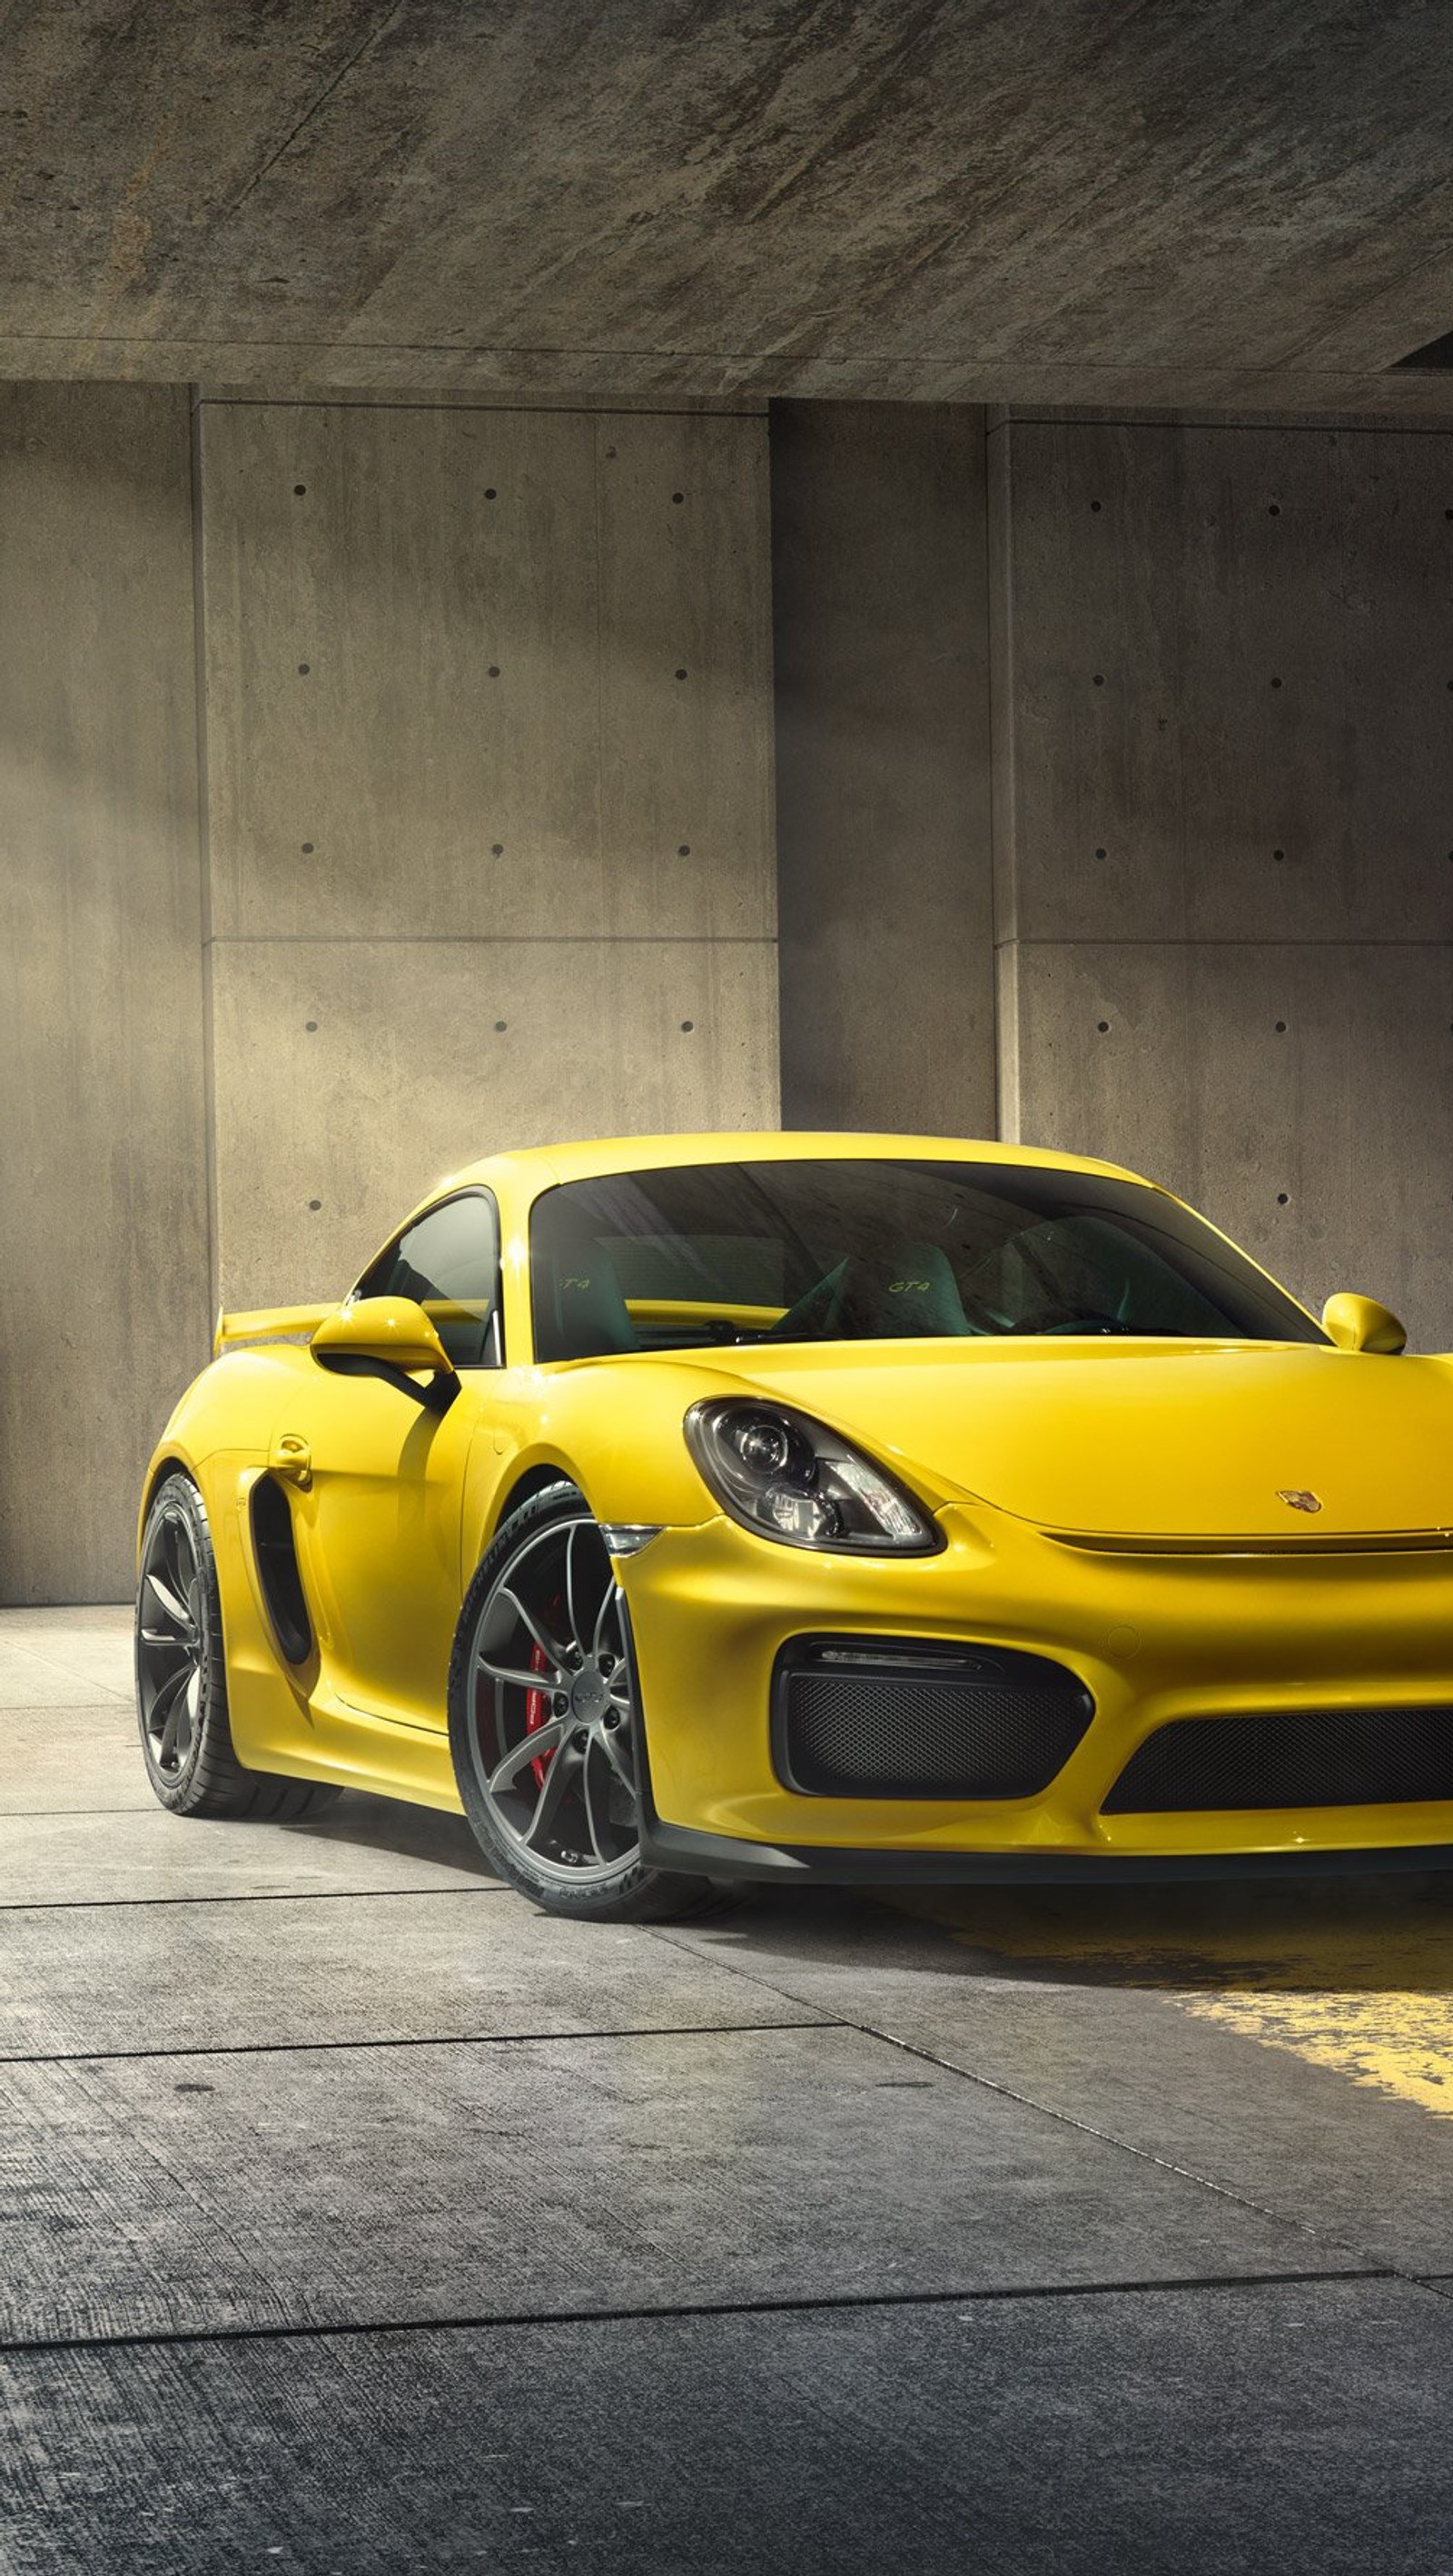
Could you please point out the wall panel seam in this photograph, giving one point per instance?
(1292, 939)
(489, 939)
(342, 400)
(204, 847)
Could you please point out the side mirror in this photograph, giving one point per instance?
(381, 1333)
(1360, 1324)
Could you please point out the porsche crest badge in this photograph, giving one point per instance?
(1298, 1497)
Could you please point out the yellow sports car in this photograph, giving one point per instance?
(693, 1508)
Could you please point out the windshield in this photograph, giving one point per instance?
(839, 1251)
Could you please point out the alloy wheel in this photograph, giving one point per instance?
(171, 1642)
(552, 1732)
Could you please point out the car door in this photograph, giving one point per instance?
(379, 1474)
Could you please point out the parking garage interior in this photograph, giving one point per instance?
(574, 572)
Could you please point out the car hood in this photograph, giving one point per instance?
(1152, 1438)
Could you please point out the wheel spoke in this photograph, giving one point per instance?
(545, 1642)
(182, 1723)
(178, 1553)
(615, 1755)
(166, 1699)
(517, 1679)
(165, 1641)
(544, 1739)
(172, 1608)
(610, 1603)
(589, 1804)
(552, 1797)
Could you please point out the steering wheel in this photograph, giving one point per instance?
(1072, 1319)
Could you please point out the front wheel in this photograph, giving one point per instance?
(545, 1725)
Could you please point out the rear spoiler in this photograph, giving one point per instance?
(268, 1324)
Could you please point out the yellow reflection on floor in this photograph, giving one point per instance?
(1356, 1975)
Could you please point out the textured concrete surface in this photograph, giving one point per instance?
(1299, 2427)
(882, 719)
(1157, 202)
(1301, 1097)
(1223, 789)
(349, 2230)
(103, 1292)
(353, 1074)
(489, 763)
(493, 608)
(1131, 2011)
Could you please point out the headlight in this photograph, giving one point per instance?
(787, 1477)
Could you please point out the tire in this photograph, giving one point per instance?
(543, 1652)
(181, 1676)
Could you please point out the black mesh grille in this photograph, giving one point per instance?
(855, 1719)
(1304, 1757)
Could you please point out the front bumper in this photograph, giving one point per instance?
(1152, 1637)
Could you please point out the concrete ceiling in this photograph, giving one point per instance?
(1218, 203)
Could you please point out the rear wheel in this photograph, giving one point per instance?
(545, 1724)
(181, 1676)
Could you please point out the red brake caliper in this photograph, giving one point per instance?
(537, 1702)
(537, 1710)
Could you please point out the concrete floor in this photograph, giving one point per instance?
(356, 2218)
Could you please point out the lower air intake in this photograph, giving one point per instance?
(1304, 1757)
(860, 1717)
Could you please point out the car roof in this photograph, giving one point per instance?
(540, 1167)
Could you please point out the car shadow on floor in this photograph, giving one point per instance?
(366, 1823)
(1388, 1934)
(1365, 1933)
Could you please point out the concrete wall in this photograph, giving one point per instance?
(103, 1284)
(483, 854)
(489, 742)
(885, 862)
(1223, 709)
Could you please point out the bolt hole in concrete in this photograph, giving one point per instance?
(315, 1205)
(1278, 854)
(1283, 1198)
(686, 1027)
(1104, 1027)
(496, 849)
(306, 848)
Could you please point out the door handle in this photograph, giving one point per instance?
(292, 1458)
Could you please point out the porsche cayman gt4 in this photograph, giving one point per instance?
(710, 1507)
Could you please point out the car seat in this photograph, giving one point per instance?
(580, 1311)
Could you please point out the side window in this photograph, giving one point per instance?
(448, 1262)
